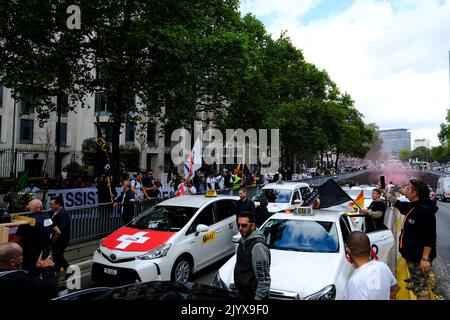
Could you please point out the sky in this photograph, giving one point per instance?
(391, 56)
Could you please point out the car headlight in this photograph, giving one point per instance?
(218, 282)
(327, 293)
(159, 252)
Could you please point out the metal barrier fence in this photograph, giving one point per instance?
(93, 222)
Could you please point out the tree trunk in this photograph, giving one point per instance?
(337, 159)
(321, 160)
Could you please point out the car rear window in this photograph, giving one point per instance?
(274, 195)
(301, 235)
(164, 218)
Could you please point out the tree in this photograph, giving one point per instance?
(178, 57)
(421, 153)
(40, 65)
(405, 155)
(440, 154)
(444, 133)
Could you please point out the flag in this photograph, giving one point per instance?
(23, 181)
(248, 176)
(310, 197)
(194, 161)
(181, 191)
(331, 194)
(102, 159)
(359, 202)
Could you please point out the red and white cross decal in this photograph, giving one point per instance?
(127, 239)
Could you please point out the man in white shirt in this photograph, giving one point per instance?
(371, 280)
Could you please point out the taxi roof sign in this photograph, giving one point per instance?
(303, 211)
(211, 193)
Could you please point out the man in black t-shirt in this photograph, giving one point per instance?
(36, 238)
(376, 210)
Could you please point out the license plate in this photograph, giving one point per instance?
(110, 271)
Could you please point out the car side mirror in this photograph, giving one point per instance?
(236, 238)
(298, 202)
(201, 228)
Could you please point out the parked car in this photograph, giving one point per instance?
(308, 258)
(153, 290)
(443, 189)
(281, 195)
(433, 195)
(169, 241)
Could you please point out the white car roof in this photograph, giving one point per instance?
(194, 201)
(285, 185)
(362, 187)
(319, 215)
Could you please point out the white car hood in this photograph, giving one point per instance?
(277, 207)
(302, 272)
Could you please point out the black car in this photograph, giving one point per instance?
(153, 290)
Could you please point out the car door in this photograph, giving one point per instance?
(202, 245)
(225, 218)
(382, 242)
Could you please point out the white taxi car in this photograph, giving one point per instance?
(308, 258)
(170, 241)
(281, 195)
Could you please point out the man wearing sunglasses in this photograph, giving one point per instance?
(417, 243)
(252, 269)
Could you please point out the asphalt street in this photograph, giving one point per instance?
(441, 265)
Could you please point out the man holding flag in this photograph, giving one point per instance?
(102, 161)
(376, 210)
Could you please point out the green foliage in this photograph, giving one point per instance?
(88, 148)
(74, 168)
(405, 155)
(421, 153)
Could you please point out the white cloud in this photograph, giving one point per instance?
(391, 57)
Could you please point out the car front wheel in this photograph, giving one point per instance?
(182, 270)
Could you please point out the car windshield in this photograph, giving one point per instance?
(301, 235)
(164, 218)
(274, 195)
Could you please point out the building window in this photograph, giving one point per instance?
(26, 106)
(63, 134)
(1, 96)
(151, 134)
(26, 131)
(130, 130)
(100, 104)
